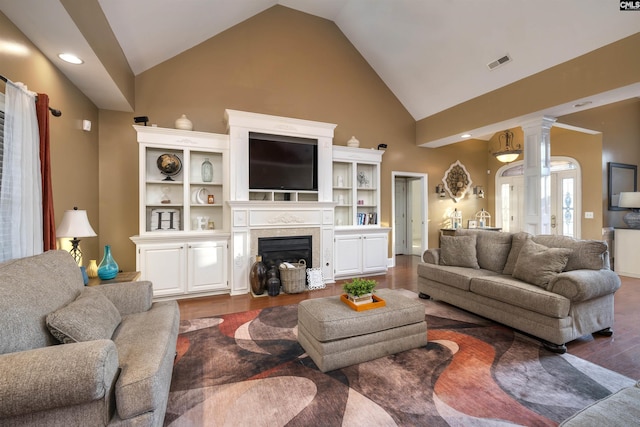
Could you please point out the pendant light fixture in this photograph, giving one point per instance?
(510, 152)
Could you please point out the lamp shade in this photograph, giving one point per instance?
(75, 224)
(629, 200)
(507, 156)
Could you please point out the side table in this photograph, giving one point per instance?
(123, 276)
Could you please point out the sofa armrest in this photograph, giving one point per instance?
(56, 376)
(431, 256)
(583, 285)
(128, 297)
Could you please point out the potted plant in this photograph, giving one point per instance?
(360, 291)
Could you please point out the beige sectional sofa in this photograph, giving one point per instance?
(116, 364)
(555, 288)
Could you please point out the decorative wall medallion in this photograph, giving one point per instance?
(457, 181)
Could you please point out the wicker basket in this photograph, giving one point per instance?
(293, 280)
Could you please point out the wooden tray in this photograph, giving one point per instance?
(377, 303)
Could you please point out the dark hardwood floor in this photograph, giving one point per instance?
(620, 353)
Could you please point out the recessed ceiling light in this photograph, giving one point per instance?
(581, 104)
(70, 58)
(465, 135)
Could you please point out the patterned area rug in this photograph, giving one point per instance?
(247, 369)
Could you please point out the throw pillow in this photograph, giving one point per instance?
(586, 254)
(459, 251)
(90, 317)
(492, 247)
(538, 264)
(517, 241)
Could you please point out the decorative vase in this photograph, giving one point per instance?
(183, 123)
(206, 171)
(108, 268)
(353, 142)
(273, 283)
(92, 269)
(258, 276)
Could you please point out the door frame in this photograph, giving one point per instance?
(423, 178)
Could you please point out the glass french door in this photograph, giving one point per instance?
(565, 218)
(565, 198)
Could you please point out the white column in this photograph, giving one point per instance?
(537, 171)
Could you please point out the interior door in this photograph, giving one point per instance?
(414, 216)
(401, 217)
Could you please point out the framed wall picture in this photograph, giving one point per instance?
(622, 177)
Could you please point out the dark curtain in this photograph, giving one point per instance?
(49, 226)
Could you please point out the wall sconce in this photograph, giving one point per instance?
(440, 191)
(510, 152)
(478, 191)
(382, 147)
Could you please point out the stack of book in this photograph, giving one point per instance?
(367, 218)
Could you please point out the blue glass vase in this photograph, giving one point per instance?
(108, 268)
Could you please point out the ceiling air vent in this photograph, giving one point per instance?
(498, 62)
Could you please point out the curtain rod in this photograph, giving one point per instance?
(54, 112)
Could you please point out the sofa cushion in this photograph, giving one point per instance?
(146, 344)
(517, 241)
(458, 277)
(618, 409)
(90, 317)
(520, 294)
(538, 264)
(459, 251)
(492, 248)
(585, 254)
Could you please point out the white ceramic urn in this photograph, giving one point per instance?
(353, 142)
(183, 123)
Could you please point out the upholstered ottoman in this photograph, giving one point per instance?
(334, 335)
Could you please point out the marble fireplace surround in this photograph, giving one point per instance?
(252, 220)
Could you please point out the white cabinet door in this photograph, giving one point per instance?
(348, 254)
(626, 261)
(164, 265)
(374, 253)
(207, 266)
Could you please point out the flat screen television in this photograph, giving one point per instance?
(278, 162)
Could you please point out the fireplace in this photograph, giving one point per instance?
(275, 250)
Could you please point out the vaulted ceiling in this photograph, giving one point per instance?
(433, 54)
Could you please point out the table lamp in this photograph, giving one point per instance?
(631, 200)
(75, 224)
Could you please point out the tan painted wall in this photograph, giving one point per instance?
(586, 149)
(610, 67)
(620, 127)
(280, 62)
(74, 153)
